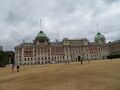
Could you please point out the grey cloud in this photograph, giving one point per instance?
(111, 1)
(13, 18)
(61, 18)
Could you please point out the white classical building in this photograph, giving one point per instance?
(42, 51)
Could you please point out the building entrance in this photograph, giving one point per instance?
(79, 58)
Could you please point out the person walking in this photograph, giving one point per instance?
(18, 67)
(81, 60)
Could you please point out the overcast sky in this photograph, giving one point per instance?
(20, 19)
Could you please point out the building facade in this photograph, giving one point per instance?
(42, 51)
(114, 47)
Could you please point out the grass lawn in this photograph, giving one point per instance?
(98, 75)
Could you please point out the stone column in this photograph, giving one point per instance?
(22, 59)
(50, 54)
(33, 53)
(15, 57)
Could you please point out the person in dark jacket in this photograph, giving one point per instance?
(18, 67)
(81, 60)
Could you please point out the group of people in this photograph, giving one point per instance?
(67, 62)
(81, 61)
(17, 68)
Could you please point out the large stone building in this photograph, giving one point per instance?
(42, 51)
(114, 48)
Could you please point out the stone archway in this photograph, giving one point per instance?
(79, 58)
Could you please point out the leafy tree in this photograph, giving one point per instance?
(11, 55)
(113, 56)
(3, 59)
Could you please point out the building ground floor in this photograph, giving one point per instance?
(57, 59)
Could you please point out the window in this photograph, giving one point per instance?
(48, 58)
(45, 58)
(25, 59)
(52, 57)
(63, 57)
(41, 58)
(57, 57)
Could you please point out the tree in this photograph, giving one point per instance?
(11, 55)
(3, 59)
(113, 56)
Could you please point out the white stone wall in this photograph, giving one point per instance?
(71, 53)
